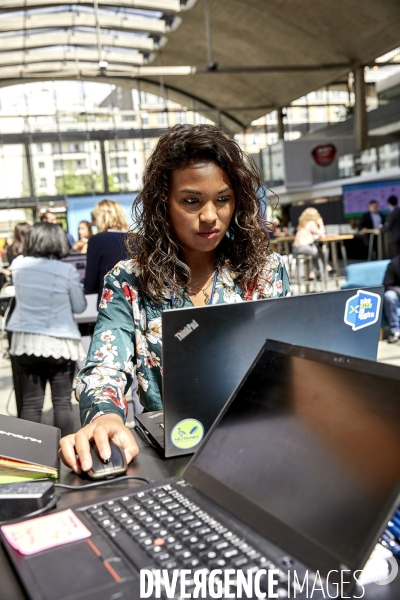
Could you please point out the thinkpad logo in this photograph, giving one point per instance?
(182, 333)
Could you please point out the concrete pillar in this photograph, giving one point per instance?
(360, 112)
(281, 126)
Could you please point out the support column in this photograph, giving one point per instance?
(104, 167)
(360, 112)
(31, 178)
(281, 126)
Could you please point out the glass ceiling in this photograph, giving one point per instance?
(57, 38)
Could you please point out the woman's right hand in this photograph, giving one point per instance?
(75, 448)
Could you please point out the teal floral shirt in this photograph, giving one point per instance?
(127, 340)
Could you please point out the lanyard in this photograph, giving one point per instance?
(172, 299)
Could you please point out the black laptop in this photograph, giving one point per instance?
(300, 472)
(207, 351)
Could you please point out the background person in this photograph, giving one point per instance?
(392, 226)
(391, 299)
(15, 249)
(84, 233)
(49, 217)
(202, 241)
(310, 228)
(106, 248)
(45, 338)
(371, 219)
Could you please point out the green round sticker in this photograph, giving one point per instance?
(187, 433)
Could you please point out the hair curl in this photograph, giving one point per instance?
(154, 245)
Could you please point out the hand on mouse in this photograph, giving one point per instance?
(101, 430)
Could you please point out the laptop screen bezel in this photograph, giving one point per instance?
(304, 549)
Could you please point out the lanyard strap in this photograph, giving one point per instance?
(172, 298)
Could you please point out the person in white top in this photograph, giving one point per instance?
(309, 229)
(45, 338)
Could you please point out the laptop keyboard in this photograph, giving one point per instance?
(162, 529)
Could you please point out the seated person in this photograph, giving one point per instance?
(391, 299)
(202, 242)
(309, 229)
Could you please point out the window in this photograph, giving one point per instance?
(41, 165)
(134, 161)
(118, 162)
(181, 117)
(121, 178)
(146, 144)
(39, 147)
(43, 182)
(163, 119)
(55, 148)
(76, 147)
(320, 114)
(58, 165)
(81, 164)
(145, 119)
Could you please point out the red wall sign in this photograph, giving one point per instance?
(324, 154)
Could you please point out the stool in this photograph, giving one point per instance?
(302, 274)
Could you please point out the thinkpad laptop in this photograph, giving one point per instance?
(207, 351)
(299, 473)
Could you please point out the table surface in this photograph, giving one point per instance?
(148, 464)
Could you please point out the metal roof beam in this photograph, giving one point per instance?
(63, 69)
(65, 19)
(74, 54)
(165, 6)
(79, 38)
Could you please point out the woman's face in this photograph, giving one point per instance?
(201, 205)
(83, 231)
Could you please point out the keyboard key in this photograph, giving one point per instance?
(94, 508)
(122, 516)
(135, 508)
(163, 557)
(176, 547)
(183, 554)
(203, 531)
(221, 545)
(208, 554)
(240, 562)
(100, 514)
(217, 564)
(128, 522)
(116, 509)
(105, 523)
(230, 553)
(191, 562)
(212, 538)
(170, 540)
(188, 518)
(169, 565)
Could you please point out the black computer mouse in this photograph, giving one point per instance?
(115, 465)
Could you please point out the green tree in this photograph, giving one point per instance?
(71, 184)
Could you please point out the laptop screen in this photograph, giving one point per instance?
(307, 453)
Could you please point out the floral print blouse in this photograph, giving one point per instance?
(127, 339)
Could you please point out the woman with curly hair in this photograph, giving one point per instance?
(201, 240)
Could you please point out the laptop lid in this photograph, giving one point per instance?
(207, 350)
(307, 453)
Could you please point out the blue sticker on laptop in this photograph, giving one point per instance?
(362, 310)
(187, 434)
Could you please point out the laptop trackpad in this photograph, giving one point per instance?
(68, 570)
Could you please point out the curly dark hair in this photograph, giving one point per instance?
(154, 245)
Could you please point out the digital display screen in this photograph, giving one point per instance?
(314, 446)
(356, 197)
